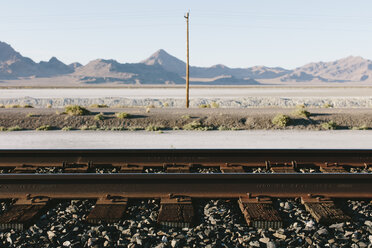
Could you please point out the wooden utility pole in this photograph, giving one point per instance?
(187, 60)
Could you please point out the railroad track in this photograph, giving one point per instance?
(177, 189)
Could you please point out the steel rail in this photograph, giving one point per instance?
(157, 157)
(192, 185)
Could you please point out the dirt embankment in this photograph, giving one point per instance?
(192, 119)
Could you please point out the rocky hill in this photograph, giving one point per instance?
(163, 68)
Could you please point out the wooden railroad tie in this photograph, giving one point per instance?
(176, 211)
(281, 167)
(108, 209)
(131, 168)
(332, 168)
(177, 168)
(259, 212)
(231, 168)
(323, 210)
(23, 212)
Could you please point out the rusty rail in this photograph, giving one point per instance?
(191, 185)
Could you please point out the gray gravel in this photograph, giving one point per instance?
(219, 223)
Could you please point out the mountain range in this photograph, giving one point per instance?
(163, 68)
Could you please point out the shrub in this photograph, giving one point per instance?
(2, 106)
(152, 128)
(85, 127)
(135, 128)
(49, 105)
(13, 106)
(44, 128)
(204, 106)
(363, 127)
(214, 105)
(98, 106)
(223, 128)
(122, 115)
(27, 106)
(331, 125)
(68, 128)
(281, 120)
(15, 128)
(301, 112)
(76, 110)
(31, 115)
(196, 125)
(117, 128)
(2, 129)
(186, 117)
(327, 105)
(147, 110)
(176, 128)
(99, 117)
(165, 105)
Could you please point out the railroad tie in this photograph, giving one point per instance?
(75, 167)
(108, 209)
(260, 212)
(282, 167)
(323, 210)
(231, 168)
(176, 211)
(23, 213)
(177, 168)
(131, 168)
(25, 168)
(332, 168)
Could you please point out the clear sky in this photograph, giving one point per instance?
(240, 33)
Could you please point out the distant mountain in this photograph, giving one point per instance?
(347, 69)
(173, 64)
(13, 65)
(101, 71)
(163, 68)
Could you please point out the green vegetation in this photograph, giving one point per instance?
(214, 105)
(196, 125)
(67, 128)
(204, 106)
(117, 128)
(99, 117)
(76, 110)
(15, 128)
(32, 115)
(135, 128)
(331, 125)
(301, 112)
(150, 128)
(13, 106)
(122, 115)
(44, 128)
(281, 120)
(85, 127)
(2, 129)
(98, 106)
(363, 127)
(327, 105)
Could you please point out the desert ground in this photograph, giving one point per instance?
(202, 119)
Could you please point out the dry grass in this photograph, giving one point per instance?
(76, 110)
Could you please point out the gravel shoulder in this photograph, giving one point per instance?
(180, 118)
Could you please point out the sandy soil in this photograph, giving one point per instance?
(177, 118)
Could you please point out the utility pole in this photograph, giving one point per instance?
(187, 60)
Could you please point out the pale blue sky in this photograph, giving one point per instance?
(287, 33)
